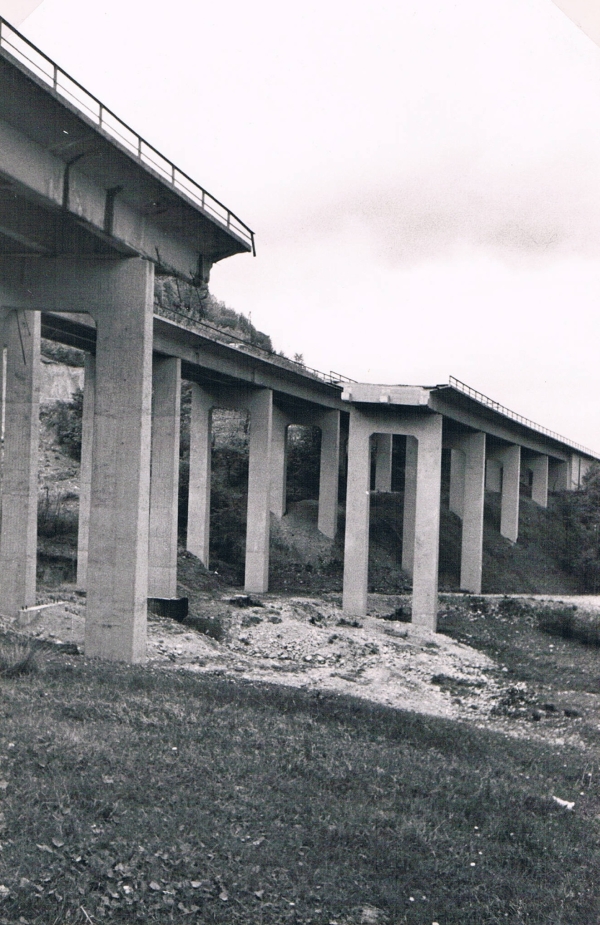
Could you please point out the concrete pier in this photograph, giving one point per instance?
(457, 481)
(279, 462)
(473, 446)
(18, 535)
(383, 462)
(85, 469)
(426, 430)
(539, 484)
(510, 458)
(198, 521)
(164, 479)
(259, 491)
(410, 505)
(117, 575)
(329, 472)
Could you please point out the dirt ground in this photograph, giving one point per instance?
(306, 642)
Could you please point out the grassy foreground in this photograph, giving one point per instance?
(131, 794)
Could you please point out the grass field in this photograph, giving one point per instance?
(131, 794)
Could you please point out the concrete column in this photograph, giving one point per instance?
(457, 482)
(117, 575)
(511, 475)
(329, 472)
(493, 475)
(198, 524)
(410, 502)
(558, 475)
(259, 491)
(356, 547)
(472, 526)
(383, 462)
(279, 463)
(18, 535)
(427, 525)
(164, 477)
(539, 486)
(85, 469)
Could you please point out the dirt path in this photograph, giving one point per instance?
(308, 643)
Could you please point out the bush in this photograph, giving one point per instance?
(65, 418)
(580, 515)
(566, 623)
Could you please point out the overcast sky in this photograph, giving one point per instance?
(423, 177)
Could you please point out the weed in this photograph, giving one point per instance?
(16, 659)
(355, 624)
(513, 607)
(478, 604)
(568, 624)
(400, 615)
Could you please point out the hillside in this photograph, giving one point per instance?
(301, 558)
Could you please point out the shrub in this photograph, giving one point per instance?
(65, 418)
(566, 623)
(16, 659)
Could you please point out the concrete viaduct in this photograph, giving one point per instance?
(89, 213)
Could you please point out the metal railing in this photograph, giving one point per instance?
(57, 80)
(222, 335)
(496, 406)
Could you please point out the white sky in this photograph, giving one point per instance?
(422, 176)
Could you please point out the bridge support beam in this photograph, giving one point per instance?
(539, 485)
(558, 475)
(329, 472)
(259, 491)
(85, 469)
(410, 505)
(510, 457)
(457, 481)
(117, 574)
(473, 446)
(426, 430)
(279, 452)
(164, 479)
(18, 535)
(198, 521)
(383, 462)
